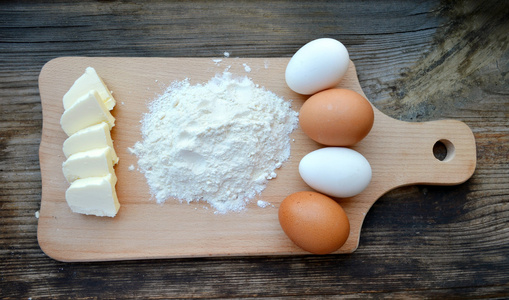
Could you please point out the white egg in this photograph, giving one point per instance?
(318, 65)
(336, 171)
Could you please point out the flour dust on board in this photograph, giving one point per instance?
(219, 142)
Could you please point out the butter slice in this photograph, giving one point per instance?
(91, 163)
(95, 136)
(87, 111)
(93, 196)
(87, 82)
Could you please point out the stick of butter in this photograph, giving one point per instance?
(87, 111)
(95, 136)
(93, 196)
(87, 82)
(91, 163)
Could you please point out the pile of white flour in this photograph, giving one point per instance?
(219, 142)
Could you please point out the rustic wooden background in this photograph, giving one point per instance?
(417, 61)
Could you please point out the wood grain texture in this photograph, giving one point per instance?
(417, 241)
(400, 153)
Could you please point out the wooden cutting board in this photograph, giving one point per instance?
(400, 153)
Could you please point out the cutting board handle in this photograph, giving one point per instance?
(417, 163)
(404, 150)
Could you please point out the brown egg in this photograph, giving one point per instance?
(314, 222)
(336, 117)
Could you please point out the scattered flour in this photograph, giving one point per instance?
(218, 142)
(226, 54)
(263, 204)
(247, 68)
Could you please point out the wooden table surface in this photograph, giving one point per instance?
(416, 60)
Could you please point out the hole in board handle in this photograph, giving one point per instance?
(444, 150)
